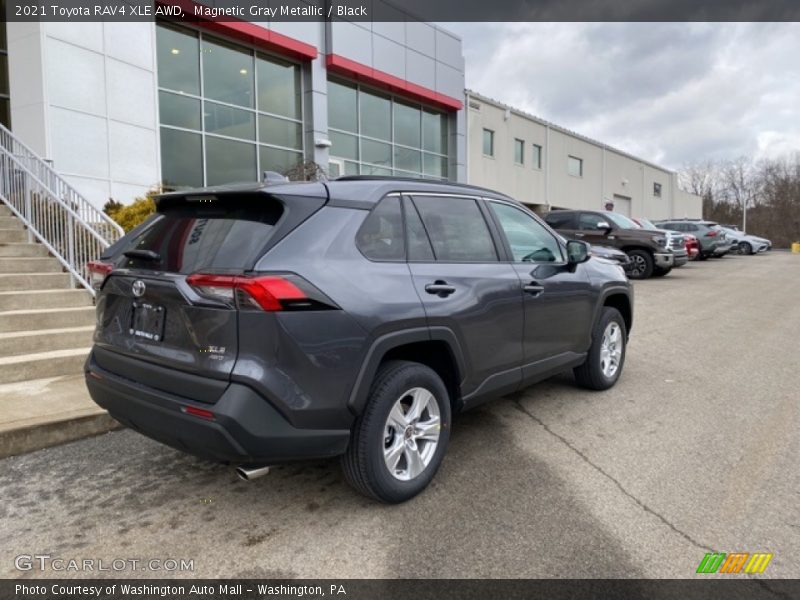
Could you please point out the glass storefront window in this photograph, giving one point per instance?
(407, 159)
(229, 161)
(344, 145)
(377, 153)
(407, 125)
(280, 132)
(434, 165)
(376, 116)
(244, 118)
(227, 74)
(179, 111)
(434, 131)
(278, 87)
(373, 133)
(181, 158)
(275, 159)
(342, 107)
(178, 60)
(230, 122)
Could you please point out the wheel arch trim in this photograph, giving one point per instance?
(395, 339)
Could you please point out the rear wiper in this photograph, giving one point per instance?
(143, 254)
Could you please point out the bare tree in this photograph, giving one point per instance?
(769, 191)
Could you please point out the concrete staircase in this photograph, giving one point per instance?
(45, 327)
(45, 335)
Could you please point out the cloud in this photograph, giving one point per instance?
(672, 93)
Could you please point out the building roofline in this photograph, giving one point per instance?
(472, 94)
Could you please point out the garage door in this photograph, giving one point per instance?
(622, 204)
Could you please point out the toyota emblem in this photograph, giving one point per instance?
(138, 288)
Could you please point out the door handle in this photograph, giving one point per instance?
(533, 288)
(580, 234)
(440, 288)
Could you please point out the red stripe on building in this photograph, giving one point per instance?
(247, 32)
(355, 70)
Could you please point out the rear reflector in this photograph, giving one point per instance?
(266, 292)
(198, 412)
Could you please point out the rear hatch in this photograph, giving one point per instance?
(169, 300)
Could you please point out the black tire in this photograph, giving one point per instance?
(590, 374)
(642, 264)
(658, 272)
(745, 248)
(363, 463)
(702, 256)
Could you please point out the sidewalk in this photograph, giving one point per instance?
(40, 413)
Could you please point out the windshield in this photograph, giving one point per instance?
(621, 220)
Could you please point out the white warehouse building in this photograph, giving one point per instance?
(548, 167)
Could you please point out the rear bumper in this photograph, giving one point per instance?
(245, 427)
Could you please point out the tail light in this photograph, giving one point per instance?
(271, 293)
(98, 270)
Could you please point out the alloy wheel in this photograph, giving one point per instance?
(611, 349)
(411, 434)
(639, 265)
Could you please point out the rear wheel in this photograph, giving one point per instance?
(642, 264)
(606, 356)
(399, 441)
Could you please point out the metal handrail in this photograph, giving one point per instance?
(54, 213)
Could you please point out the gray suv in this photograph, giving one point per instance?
(261, 324)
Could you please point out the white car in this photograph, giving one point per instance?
(747, 244)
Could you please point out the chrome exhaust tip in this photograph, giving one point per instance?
(248, 473)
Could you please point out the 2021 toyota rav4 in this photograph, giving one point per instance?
(260, 324)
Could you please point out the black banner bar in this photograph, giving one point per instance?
(400, 589)
(387, 10)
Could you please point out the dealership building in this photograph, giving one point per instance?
(547, 166)
(121, 108)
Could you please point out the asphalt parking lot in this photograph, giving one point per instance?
(695, 449)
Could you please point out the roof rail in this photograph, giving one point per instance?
(387, 178)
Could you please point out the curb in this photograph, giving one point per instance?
(53, 433)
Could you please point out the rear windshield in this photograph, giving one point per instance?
(224, 235)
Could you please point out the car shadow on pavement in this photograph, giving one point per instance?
(492, 511)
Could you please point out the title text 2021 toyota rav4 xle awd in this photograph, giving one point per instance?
(254, 325)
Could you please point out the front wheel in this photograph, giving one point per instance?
(642, 264)
(606, 356)
(398, 443)
(745, 248)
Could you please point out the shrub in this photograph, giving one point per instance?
(130, 215)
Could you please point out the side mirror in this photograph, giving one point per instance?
(577, 252)
(604, 225)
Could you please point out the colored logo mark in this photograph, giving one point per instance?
(734, 562)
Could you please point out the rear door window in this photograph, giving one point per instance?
(419, 246)
(456, 228)
(560, 220)
(205, 235)
(589, 221)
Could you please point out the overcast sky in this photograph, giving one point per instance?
(673, 93)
